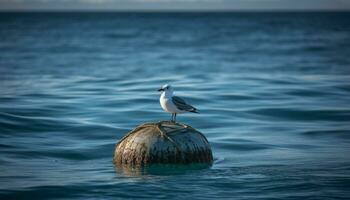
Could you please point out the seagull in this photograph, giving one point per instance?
(173, 104)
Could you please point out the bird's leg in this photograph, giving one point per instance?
(172, 117)
(175, 117)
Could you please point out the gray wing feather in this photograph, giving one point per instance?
(182, 105)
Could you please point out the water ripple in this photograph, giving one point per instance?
(272, 90)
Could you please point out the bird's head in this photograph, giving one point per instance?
(166, 88)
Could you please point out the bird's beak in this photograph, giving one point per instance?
(161, 89)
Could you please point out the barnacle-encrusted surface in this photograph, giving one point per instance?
(163, 142)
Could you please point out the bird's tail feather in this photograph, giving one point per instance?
(194, 111)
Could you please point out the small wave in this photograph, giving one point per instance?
(241, 145)
(121, 35)
(344, 87)
(11, 123)
(315, 48)
(237, 97)
(60, 150)
(308, 93)
(303, 115)
(344, 134)
(41, 192)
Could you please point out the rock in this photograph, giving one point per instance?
(163, 142)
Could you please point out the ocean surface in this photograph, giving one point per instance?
(273, 90)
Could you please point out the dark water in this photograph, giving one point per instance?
(273, 90)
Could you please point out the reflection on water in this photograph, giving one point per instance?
(160, 169)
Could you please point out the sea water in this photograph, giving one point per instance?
(273, 91)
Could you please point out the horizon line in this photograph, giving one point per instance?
(175, 10)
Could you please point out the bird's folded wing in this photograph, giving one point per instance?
(182, 105)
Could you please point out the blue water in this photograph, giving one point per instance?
(273, 90)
